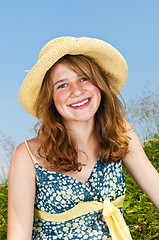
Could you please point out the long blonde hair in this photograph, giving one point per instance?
(59, 148)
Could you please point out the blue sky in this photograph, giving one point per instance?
(26, 26)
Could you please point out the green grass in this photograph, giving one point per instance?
(140, 214)
(3, 210)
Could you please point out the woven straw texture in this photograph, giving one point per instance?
(104, 54)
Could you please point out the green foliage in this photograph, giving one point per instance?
(140, 214)
(3, 210)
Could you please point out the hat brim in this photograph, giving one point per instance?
(104, 54)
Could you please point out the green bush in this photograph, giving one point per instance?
(3, 210)
(140, 214)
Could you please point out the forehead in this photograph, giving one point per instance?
(74, 63)
(61, 71)
(59, 66)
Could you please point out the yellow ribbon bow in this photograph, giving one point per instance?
(111, 214)
(115, 221)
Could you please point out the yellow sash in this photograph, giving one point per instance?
(111, 214)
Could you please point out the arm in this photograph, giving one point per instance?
(21, 194)
(141, 169)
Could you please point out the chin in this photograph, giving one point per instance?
(85, 119)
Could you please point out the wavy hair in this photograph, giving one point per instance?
(56, 145)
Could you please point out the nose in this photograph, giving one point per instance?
(76, 89)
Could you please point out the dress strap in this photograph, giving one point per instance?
(31, 155)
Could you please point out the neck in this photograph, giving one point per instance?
(83, 132)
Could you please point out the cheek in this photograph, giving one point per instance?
(96, 91)
(58, 103)
(59, 99)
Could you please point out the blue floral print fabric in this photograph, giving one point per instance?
(56, 193)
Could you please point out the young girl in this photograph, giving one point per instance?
(68, 183)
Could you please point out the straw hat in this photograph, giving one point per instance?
(104, 54)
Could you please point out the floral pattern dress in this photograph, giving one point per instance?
(56, 193)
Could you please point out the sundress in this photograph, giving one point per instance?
(56, 193)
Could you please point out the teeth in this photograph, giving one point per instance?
(80, 104)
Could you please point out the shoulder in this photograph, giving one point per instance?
(21, 148)
(29, 149)
(134, 142)
(136, 152)
(21, 159)
(32, 144)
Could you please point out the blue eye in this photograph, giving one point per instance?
(62, 86)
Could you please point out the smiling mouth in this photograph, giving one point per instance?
(84, 103)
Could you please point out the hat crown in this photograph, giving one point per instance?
(53, 43)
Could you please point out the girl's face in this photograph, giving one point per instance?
(75, 97)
